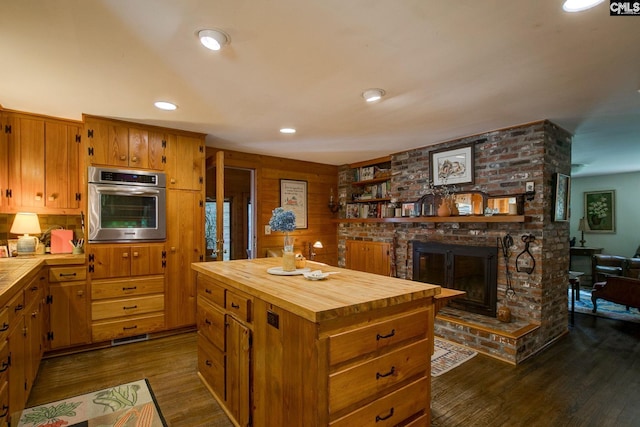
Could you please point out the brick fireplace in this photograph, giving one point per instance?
(504, 161)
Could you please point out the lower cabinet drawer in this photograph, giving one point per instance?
(4, 323)
(211, 323)
(120, 328)
(393, 408)
(118, 288)
(4, 404)
(211, 365)
(371, 378)
(126, 307)
(4, 360)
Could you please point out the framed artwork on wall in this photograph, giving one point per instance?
(293, 197)
(453, 166)
(600, 211)
(561, 197)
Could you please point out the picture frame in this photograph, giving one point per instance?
(367, 173)
(452, 165)
(600, 211)
(4, 252)
(12, 246)
(293, 197)
(562, 193)
(408, 209)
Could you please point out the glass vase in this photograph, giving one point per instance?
(288, 257)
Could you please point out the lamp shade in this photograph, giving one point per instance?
(583, 225)
(26, 223)
(318, 244)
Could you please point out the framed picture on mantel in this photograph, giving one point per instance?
(600, 211)
(453, 166)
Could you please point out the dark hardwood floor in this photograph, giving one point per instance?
(590, 377)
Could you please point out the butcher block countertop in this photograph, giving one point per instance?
(344, 293)
(16, 271)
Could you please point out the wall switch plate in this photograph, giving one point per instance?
(267, 229)
(530, 186)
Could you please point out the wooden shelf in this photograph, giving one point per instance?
(462, 218)
(383, 199)
(371, 181)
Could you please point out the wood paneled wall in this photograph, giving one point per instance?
(269, 171)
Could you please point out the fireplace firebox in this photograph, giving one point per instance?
(472, 269)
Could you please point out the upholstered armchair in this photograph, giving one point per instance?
(619, 290)
(607, 265)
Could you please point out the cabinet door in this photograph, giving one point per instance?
(26, 142)
(17, 370)
(138, 148)
(356, 256)
(108, 143)
(185, 241)
(109, 261)
(156, 155)
(4, 162)
(238, 371)
(185, 159)
(69, 315)
(371, 257)
(147, 259)
(62, 165)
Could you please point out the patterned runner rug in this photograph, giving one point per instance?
(131, 404)
(447, 356)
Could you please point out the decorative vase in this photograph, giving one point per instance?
(444, 209)
(595, 220)
(288, 257)
(453, 206)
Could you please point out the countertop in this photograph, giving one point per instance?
(344, 293)
(16, 271)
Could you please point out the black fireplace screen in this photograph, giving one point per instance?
(472, 269)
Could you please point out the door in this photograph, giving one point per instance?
(231, 234)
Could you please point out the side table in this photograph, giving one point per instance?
(574, 281)
(581, 260)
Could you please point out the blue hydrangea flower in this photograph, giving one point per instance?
(282, 220)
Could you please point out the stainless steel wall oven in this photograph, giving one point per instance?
(126, 205)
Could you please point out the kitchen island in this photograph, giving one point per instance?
(353, 349)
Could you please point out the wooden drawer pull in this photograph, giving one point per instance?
(126, 328)
(386, 417)
(125, 255)
(391, 372)
(132, 288)
(129, 308)
(135, 254)
(381, 337)
(236, 306)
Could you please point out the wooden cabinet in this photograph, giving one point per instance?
(68, 300)
(40, 161)
(341, 363)
(122, 144)
(4, 366)
(371, 257)
(25, 339)
(185, 162)
(127, 290)
(224, 346)
(185, 244)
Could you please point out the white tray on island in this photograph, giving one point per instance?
(278, 271)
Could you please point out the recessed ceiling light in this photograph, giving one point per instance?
(579, 5)
(372, 95)
(287, 130)
(164, 105)
(213, 39)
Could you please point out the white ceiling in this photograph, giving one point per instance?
(450, 69)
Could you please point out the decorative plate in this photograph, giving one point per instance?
(316, 275)
(278, 271)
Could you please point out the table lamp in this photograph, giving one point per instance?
(316, 245)
(26, 223)
(582, 227)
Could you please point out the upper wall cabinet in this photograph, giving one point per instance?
(114, 143)
(185, 162)
(39, 164)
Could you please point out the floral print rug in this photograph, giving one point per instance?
(126, 405)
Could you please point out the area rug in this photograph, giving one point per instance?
(447, 356)
(126, 405)
(606, 309)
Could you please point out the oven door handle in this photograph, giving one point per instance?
(120, 189)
